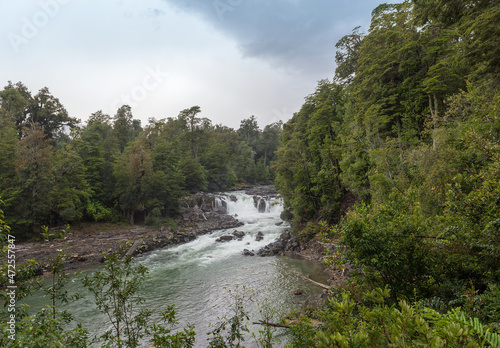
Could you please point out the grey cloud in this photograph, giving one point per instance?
(293, 34)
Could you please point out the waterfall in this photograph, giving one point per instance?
(193, 276)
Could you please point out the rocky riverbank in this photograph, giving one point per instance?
(86, 243)
(200, 213)
(314, 250)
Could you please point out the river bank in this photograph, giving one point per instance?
(201, 213)
(86, 243)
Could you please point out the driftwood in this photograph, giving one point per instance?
(265, 323)
(133, 248)
(289, 323)
(324, 286)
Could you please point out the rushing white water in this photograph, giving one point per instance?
(195, 276)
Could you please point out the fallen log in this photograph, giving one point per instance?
(133, 248)
(289, 323)
(324, 286)
(265, 323)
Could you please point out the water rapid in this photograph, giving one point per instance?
(195, 276)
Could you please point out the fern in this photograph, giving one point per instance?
(473, 323)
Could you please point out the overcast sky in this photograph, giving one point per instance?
(233, 58)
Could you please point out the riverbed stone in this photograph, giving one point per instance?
(225, 238)
(239, 234)
(247, 252)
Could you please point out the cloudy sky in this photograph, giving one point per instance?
(233, 58)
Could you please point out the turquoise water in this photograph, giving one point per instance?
(195, 276)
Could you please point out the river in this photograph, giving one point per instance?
(196, 276)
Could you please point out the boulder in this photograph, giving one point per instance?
(247, 252)
(226, 238)
(239, 234)
(285, 235)
(284, 243)
(259, 236)
(274, 248)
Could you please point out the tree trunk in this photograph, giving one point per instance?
(434, 115)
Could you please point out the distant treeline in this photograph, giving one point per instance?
(54, 170)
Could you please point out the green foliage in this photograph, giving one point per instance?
(115, 291)
(391, 244)
(112, 168)
(162, 336)
(42, 330)
(46, 328)
(373, 323)
(268, 315)
(307, 167)
(229, 331)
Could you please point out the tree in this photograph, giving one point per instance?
(249, 130)
(35, 176)
(347, 56)
(191, 123)
(71, 191)
(15, 101)
(123, 126)
(115, 289)
(133, 170)
(270, 140)
(48, 111)
(8, 143)
(307, 166)
(97, 148)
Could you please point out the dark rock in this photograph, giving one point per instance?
(297, 292)
(233, 198)
(274, 248)
(239, 234)
(259, 236)
(279, 223)
(247, 252)
(283, 244)
(285, 235)
(226, 238)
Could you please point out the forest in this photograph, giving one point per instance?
(395, 163)
(54, 170)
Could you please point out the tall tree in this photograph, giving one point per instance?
(347, 56)
(35, 177)
(48, 111)
(249, 130)
(133, 170)
(123, 126)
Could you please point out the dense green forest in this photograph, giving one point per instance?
(54, 170)
(400, 153)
